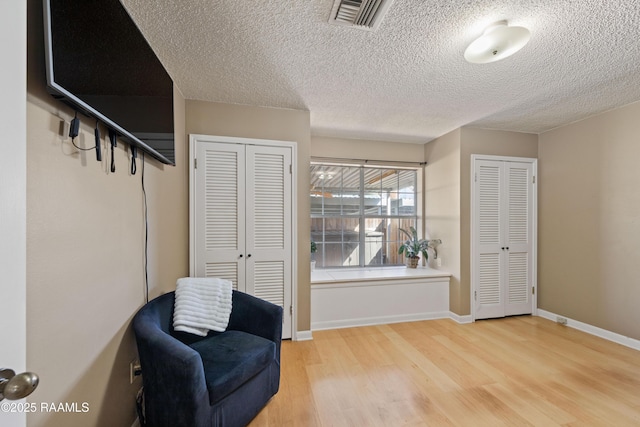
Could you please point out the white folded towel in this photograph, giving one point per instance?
(202, 304)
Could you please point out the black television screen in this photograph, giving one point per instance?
(99, 62)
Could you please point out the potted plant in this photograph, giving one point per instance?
(413, 247)
(314, 249)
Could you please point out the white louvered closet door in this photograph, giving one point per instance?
(503, 238)
(489, 261)
(243, 218)
(269, 225)
(519, 247)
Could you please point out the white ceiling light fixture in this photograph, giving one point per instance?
(497, 42)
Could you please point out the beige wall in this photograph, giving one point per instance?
(210, 118)
(366, 149)
(589, 221)
(85, 255)
(442, 207)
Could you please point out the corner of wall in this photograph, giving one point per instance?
(442, 207)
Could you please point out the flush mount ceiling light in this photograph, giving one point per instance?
(497, 42)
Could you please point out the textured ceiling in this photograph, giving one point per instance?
(407, 81)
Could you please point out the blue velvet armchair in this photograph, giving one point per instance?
(223, 379)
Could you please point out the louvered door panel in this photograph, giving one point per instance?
(488, 181)
(219, 213)
(221, 200)
(223, 270)
(269, 224)
(488, 225)
(518, 203)
(519, 200)
(269, 204)
(489, 280)
(517, 283)
(269, 277)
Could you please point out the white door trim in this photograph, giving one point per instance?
(534, 267)
(13, 187)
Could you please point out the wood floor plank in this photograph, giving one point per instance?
(535, 414)
(452, 363)
(519, 371)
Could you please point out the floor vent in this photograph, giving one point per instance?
(362, 14)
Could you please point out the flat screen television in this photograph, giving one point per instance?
(98, 61)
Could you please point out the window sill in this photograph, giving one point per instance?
(369, 274)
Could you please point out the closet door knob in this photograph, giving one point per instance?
(249, 256)
(241, 254)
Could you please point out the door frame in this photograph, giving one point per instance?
(193, 140)
(534, 258)
(13, 187)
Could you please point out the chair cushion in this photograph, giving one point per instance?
(232, 358)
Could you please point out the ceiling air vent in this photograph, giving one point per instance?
(362, 14)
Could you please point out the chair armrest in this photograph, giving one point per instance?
(256, 316)
(172, 372)
(168, 353)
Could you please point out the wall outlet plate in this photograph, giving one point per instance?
(134, 370)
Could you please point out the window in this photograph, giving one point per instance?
(357, 213)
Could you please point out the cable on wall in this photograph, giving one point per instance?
(146, 234)
(74, 131)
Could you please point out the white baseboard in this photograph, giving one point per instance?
(303, 336)
(593, 330)
(461, 319)
(352, 323)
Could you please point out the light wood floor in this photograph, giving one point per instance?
(516, 371)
